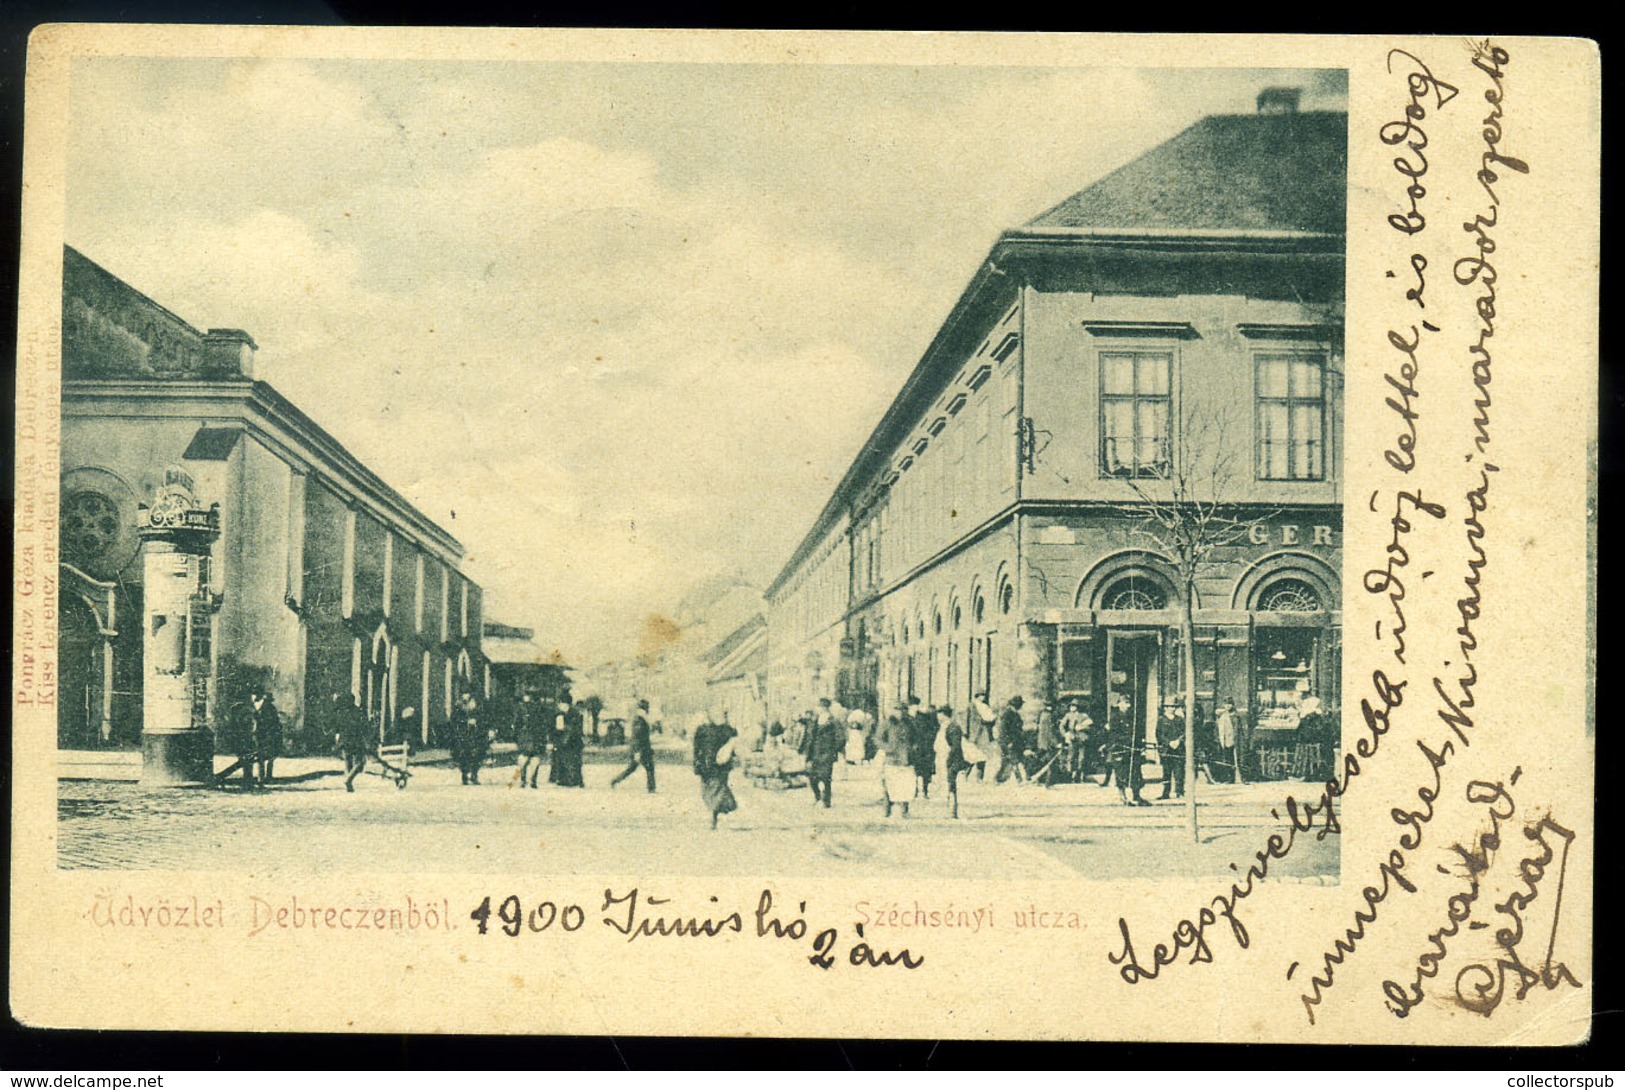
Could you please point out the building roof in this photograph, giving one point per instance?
(1240, 172)
(88, 372)
(733, 640)
(1241, 183)
(513, 651)
(742, 652)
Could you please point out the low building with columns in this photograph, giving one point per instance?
(1178, 323)
(318, 577)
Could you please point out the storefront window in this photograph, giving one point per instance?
(1076, 658)
(1284, 668)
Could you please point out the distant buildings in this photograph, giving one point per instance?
(736, 675)
(1183, 312)
(706, 658)
(323, 578)
(518, 665)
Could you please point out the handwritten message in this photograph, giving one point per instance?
(1416, 719)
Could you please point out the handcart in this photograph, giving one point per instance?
(394, 761)
(782, 770)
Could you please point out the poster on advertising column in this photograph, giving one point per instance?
(1057, 529)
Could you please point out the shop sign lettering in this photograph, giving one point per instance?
(1317, 537)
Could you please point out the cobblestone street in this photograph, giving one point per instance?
(307, 823)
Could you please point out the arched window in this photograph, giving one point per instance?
(936, 624)
(1007, 598)
(1290, 596)
(979, 611)
(90, 528)
(1134, 593)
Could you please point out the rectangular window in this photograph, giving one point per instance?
(1291, 416)
(347, 583)
(445, 606)
(1135, 407)
(417, 606)
(389, 567)
(295, 584)
(428, 667)
(1075, 667)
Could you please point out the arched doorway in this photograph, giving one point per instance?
(1291, 649)
(81, 676)
(85, 679)
(380, 703)
(1134, 650)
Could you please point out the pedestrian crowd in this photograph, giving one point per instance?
(915, 747)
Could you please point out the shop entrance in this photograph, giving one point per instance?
(1133, 669)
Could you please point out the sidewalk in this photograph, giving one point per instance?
(125, 764)
(1011, 807)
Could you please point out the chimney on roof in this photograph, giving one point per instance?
(1279, 100)
(229, 351)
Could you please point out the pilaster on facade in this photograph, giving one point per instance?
(313, 544)
(996, 518)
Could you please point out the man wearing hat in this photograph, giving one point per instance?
(1012, 742)
(471, 738)
(922, 744)
(640, 749)
(822, 748)
(1076, 731)
(352, 732)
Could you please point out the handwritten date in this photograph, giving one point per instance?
(640, 915)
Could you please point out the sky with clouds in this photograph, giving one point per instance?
(620, 326)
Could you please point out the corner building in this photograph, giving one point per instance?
(1184, 312)
(323, 577)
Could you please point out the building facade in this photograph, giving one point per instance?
(736, 678)
(1166, 342)
(517, 665)
(679, 656)
(322, 578)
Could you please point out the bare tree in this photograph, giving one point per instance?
(1187, 505)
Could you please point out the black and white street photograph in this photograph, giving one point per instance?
(717, 469)
(679, 535)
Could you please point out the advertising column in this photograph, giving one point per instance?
(177, 747)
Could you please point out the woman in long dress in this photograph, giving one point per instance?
(857, 734)
(897, 767)
(568, 742)
(714, 759)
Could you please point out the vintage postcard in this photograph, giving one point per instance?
(776, 534)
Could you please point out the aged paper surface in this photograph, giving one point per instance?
(402, 364)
